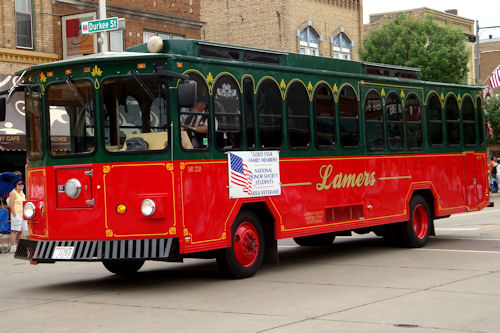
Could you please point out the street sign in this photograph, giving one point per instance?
(95, 26)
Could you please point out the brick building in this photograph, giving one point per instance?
(489, 50)
(330, 28)
(449, 17)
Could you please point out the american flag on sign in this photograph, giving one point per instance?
(239, 173)
(495, 78)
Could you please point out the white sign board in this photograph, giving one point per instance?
(254, 174)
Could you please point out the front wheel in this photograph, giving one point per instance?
(415, 232)
(246, 253)
(121, 267)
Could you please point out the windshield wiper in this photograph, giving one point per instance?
(143, 86)
(85, 105)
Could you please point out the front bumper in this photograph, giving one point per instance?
(41, 251)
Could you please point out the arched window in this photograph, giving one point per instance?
(374, 118)
(452, 121)
(324, 115)
(348, 118)
(227, 111)
(309, 42)
(480, 121)
(342, 47)
(249, 111)
(394, 116)
(413, 119)
(195, 121)
(435, 121)
(269, 108)
(469, 121)
(297, 112)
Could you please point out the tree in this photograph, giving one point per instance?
(492, 107)
(439, 51)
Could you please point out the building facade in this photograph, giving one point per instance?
(449, 18)
(330, 28)
(489, 50)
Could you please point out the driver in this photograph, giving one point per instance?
(197, 124)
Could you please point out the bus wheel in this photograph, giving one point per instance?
(245, 256)
(415, 233)
(316, 240)
(123, 267)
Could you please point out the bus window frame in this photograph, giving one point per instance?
(402, 121)
(442, 121)
(270, 116)
(288, 116)
(480, 123)
(454, 121)
(315, 118)
(468, 121)
(420, 106)
(366, 121)
(46, 108)
(359, 111)
(102, 118)
(41, 124)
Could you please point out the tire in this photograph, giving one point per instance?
(316, 240)
(123, 268)
(415, 232)
(245, 256)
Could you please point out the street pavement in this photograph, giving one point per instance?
(357, 285)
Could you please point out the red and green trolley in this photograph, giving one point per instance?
(129, 154)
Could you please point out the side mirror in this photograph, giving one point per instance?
(3, 108)
(186, 94)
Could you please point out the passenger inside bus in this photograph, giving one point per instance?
(196, 125)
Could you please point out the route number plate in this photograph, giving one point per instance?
(63, 252)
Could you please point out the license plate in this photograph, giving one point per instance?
(63, 252)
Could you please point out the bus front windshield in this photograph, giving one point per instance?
(71, 117)
(135, 113)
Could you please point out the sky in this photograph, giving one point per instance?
(486, 11)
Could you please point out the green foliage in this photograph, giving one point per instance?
(492, 107)
(439, 51)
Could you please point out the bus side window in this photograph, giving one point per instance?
(435, 121)
(297, 113)
(348, 118)
(469, 123)
(480, 121)
(248, 94)
(324, 115)
(452, 121)
(227, 111)
(394, 114)
(413, 119)
(269, 106)
(374, 118)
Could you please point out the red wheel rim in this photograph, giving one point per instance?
(246, 244)
(420, 221)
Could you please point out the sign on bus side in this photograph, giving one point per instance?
(90, 27)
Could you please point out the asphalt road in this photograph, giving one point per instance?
(357, 285)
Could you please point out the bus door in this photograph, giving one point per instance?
(471, 179)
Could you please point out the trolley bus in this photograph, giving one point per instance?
(190, 149)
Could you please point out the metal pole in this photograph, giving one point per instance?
(478, 56)
(103, 35)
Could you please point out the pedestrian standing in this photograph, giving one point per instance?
(17, 222)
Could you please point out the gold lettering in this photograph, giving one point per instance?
(372, 179)
(324, 172)
(349, 180)
(337, 181)
(341, 180)
(359, 180)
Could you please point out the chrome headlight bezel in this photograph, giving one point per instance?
(148, 207)
(29, 210)
(73, 188)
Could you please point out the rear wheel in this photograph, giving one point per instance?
(120, 267)
(316, 240)
(415, 232)
(245, 256)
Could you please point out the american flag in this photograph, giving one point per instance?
(240, 174)
(495, 78)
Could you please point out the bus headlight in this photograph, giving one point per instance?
(73, 188)
(29, 210)
(148, 207)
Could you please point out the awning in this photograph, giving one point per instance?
(13, 129)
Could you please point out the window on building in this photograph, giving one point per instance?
(116, 41)
(413, 119)
(342, 47)
(435, 121)
(24, 32)
(309, 42)
(146, 35)
(374, 117)
(324, 113)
